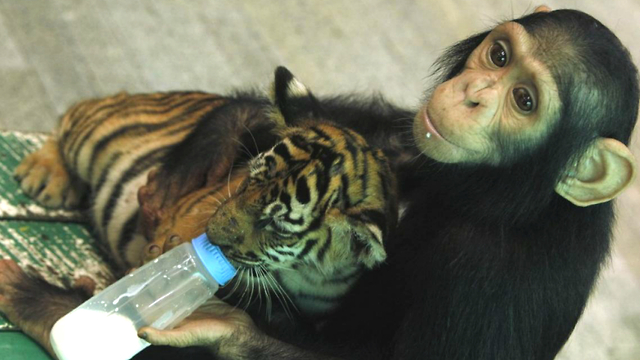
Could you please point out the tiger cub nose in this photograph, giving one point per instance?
(261, 223)
(230, 227)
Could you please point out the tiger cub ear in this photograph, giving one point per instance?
(292, 100)
(367, 242)
(364, 232)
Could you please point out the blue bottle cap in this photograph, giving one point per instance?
(213, 259)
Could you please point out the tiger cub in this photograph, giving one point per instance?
(301, 219)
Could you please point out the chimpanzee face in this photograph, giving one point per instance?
(503, 92)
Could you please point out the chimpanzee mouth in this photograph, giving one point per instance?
(431, 129)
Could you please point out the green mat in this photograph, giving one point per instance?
(52, 243)
(17, 346)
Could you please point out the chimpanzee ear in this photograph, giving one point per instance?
(292, 100)
(542, 8)
(603, 172)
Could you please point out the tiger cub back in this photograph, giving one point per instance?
(304, 211)
(112, 143)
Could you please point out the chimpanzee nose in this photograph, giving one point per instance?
(481, 94)
(479, 89)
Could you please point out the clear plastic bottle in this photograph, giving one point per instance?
(159, 294)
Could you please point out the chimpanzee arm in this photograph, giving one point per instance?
(233, 132)
(472, 294)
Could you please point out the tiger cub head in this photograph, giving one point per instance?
(320, 197)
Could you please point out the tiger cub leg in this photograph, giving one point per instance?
(44, 176)
(33, 304)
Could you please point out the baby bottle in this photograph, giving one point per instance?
(159, 294)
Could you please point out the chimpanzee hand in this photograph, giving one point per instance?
(216, 325)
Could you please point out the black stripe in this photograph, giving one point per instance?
(71, 115)
(344, 191)
(182, 128)
(136, 129)
(292, 221)
(246, 259)
(127, 112)
(300, 142)
(322, 182)
(107, 168)
(274, 210)
(285, 252)
(285, 198)
(104, 174)
(315, 224)
(307, 248)
(283, 151)
(141, 164)
(80, 125)
(126, 235)
(90, 126)
(322, 134)
(323, 250)
(303, 194)
(271, 257)
(351, 148)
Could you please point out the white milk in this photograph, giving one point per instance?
(159, 294)
(96, 329)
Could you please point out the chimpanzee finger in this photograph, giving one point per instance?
(173, 241)
(151, 252)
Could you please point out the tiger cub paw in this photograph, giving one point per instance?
(44, 177)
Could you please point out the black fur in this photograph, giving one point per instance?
(28, 305)
(491, 262)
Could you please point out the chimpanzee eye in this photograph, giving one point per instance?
(523, 99)
(498, 55)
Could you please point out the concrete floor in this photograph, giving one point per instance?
(56, 52)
